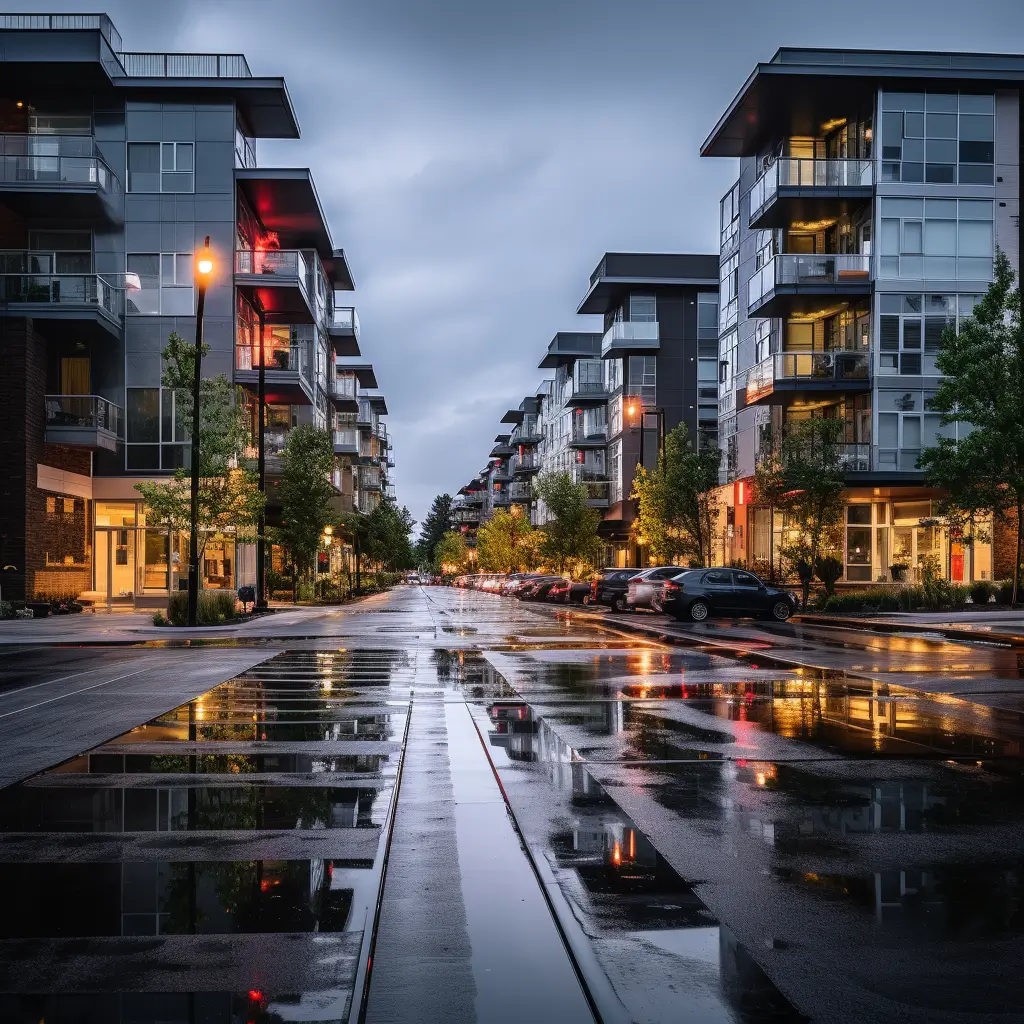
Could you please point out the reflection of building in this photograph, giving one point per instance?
(873, 189)
(116, 166)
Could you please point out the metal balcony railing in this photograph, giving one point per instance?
(807, 172)
(796, 270)
(184, 65)
(64, 23)
(85, 412)
(631, 334)
(520, 492)
(57, 160)
(344, 388)
(588, 434)
(289, 264)
(89, 290)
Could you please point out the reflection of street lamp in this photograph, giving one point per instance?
(203, 272)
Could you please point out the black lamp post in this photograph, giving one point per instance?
(203, 272)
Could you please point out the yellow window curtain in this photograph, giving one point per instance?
(74, 376)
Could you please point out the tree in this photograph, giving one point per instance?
(769, 485)
(983, 386)
(306, 491)
(387, 536)
(229, 494)
(450, 554)
(676, 508)
(570, 540)
(507, 543)
(436, 526)
(810, 491)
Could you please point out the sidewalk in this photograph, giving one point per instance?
(1004, 627)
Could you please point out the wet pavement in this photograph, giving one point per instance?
(447, 806)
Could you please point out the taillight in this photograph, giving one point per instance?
(671, 586)
(593, 588)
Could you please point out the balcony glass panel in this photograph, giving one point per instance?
(344, 387)
(633, 334)
(64, 290)
(345, 318)
(806, 172)
(86, 412)
(796, 270)
(54, 160)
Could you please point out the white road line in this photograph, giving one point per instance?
(61, 696)
(47, 682)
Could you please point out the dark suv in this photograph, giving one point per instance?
(611, 586)
(700, 593)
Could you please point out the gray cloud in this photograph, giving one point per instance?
(476, 157)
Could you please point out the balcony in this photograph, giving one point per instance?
(503, 473)
(343, 328)
(502, 450)
(346, 441)
(343, 393)
(779, 378)
(587, 392)
(83, 297)
(473, 500)
(369, 478)
(281, 282)
(588, 437)
(83, 421)
(288, 375)
(59, 177)
(805, 189)
(789, 284)
(626, 337)
(521, 493)
(526, 465)
(597, 484)
(501, 499)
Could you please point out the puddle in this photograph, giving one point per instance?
(175, 898)
(222, 764)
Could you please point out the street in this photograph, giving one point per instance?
(439, 805)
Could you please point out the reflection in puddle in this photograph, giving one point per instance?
(221, 764)
(254, 1007)
(164, 898)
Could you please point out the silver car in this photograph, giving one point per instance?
(645, 588)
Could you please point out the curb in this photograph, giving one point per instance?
(882, 626)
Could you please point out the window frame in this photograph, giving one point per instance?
(162, 148)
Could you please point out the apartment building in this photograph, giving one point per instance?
(116, 165)
(873, 189)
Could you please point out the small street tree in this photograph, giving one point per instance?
(507, 543)
(305, 491)
(387, 536)
(676, 508)
(809, 491)
(229, 495)
(436, 526)
(983, 385)
(450, 555)
(570, 541)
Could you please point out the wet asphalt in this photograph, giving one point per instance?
(445, 806)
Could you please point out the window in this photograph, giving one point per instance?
(643, 308)
(911, 328)
(643, 378)
(161, 167)
(937, 238)
(707, 370)
(164, 283)
(707, 315)
(729, 283)
(717, 578)
(942, 139)
(157, 430)
(730, 218)
(744, 579)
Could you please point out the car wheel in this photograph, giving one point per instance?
(699, 611)
(781, 611)
(618, 603)
(586, 600)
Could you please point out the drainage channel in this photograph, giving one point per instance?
(222, 861)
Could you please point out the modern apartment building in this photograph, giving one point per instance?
(873, 189)
(116, 165)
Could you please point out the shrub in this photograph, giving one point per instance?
(6, 610)
(980, 591)
(1004, 592)
(215, 607)
(158, 619)
(829, 570)
(304, 592)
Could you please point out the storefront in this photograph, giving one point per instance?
(136, 564)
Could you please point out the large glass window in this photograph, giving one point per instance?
(730, 218)
(939, 138)
(707, 315)
(911, 329)
(937, 238)
(643, 378)
(643, 308)
(729, 283)
(160, 283)
(161, 167)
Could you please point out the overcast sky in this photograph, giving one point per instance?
(475, 159)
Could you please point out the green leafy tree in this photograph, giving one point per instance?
(305, 491)
(229, 494)
(982, 471)
(450, 554)
(436, 526)
(676, 508)
(507, 543)
(810, 491)
(388, 530)
(570, 540)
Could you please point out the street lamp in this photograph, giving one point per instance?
(203, 273)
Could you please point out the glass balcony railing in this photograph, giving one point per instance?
(346, 437)
(345, 318)
(83, 290)
(55, 160)
(596, 482)
(585, 433)
(631, 335)
(344, 388)
(84, 412)
(526, 463)
(810, 367)
(291, 265)
(808, 173)
(802, 270)
(520, 492)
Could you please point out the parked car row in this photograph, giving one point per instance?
(694, 594)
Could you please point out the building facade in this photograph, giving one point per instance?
(117, 165)
(873, 190)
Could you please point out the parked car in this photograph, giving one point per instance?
(512, 583)
(699, 593)
(610, 588)
(537, 590)
(644, 589)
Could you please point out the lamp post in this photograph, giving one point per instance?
(203, 272)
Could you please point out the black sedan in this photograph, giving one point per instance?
(611, 586)
(700, 593)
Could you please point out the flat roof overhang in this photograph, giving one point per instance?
(568, 346)
(606, 292)
(808, 392)
(378, 404)
(264, 103)
(363, 371)
(502, 438)
(286, 201)
(283, 387)
(282, 300)
(796, 204)
(513, 416)
(801, 299)
(799, 90)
